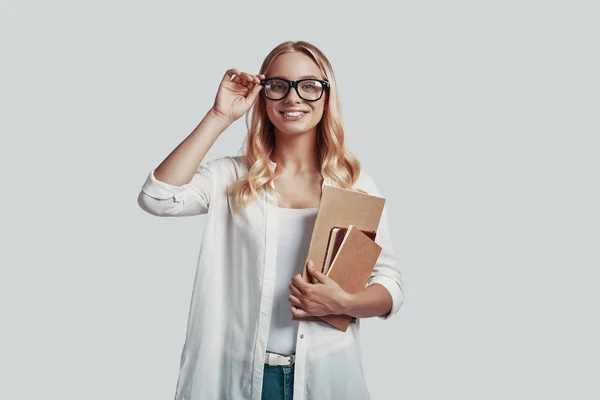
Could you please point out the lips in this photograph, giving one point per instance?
(300, 115)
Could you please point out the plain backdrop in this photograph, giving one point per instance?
(478, 120)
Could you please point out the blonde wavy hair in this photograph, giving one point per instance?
(335, 161)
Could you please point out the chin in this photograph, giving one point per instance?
(294, 130)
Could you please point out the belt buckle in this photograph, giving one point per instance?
(292, 358)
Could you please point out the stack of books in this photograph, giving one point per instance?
(343, 244)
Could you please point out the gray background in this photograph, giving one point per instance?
(478, 121)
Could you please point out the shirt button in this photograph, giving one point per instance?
(302, 336)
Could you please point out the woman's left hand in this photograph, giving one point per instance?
(316, 299)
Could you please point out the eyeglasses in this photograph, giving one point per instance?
(307, 89)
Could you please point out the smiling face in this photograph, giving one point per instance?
(295, 66)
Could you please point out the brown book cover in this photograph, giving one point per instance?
(339, 208)
(351, 268)
(335, 240)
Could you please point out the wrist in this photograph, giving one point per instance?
(347, 303)
(219, 118)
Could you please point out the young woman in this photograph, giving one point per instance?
(241, 340)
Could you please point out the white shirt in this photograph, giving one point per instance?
(233, 293)
(293, 239)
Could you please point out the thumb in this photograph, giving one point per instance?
(253, 93)
(321, 277)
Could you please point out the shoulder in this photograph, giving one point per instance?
(227, 168)
(365, 182)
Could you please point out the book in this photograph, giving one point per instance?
(335, 240)
(351, 267)
(339, 208)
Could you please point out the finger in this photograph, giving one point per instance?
(321, 277)
(256, 80)
(235, 76)
(254, 93)
(300, 283)
(229, 74)
(239, 79)
(245, 80)
(251, 81)
(248, 77)
(295, 291)
(298, 312)
(295, 301)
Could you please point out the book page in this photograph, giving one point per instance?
(330, 249)
(339, 247)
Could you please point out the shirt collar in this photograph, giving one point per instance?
(326, 180)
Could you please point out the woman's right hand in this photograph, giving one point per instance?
(236, 96)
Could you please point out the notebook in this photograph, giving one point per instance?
(335, 240)
(351, 267)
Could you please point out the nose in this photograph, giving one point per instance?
(292, 96)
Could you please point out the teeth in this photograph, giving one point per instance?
(293, 114)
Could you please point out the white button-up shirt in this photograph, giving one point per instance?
(230, 313)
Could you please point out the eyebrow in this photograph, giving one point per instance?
(302, 77)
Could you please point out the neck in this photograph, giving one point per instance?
(296, 153)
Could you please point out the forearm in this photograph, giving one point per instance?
(179, 166)
(372, 301)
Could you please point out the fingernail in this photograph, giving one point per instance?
(311, 263)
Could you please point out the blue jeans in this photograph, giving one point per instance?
(278, 382)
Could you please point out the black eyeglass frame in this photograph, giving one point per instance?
(293, 84)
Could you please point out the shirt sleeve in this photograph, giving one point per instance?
(162, 199)
(387, 270)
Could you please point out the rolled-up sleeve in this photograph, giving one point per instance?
(162, 199)
(387, 270)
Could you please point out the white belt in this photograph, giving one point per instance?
(278, 359)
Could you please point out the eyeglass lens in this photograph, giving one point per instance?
(308, 89)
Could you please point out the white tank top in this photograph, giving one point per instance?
(295, 230)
